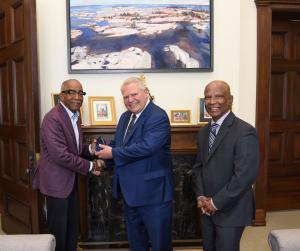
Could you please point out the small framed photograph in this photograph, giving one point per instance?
(180, 116)
(55, 101)
(203, 116)
(102, 110)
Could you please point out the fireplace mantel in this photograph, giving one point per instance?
(102, 221)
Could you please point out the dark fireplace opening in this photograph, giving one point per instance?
(105, 215)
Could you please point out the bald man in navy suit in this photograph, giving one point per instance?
(224, 173)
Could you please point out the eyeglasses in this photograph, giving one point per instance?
(74, 92)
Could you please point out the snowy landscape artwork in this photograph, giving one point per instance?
(139, 35)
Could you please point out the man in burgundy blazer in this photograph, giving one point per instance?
(63, 157)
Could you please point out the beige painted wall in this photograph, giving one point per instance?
(234, 62)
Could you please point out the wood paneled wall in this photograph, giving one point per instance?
(277, 105)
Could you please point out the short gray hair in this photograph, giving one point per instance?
(63, 85)
(139, 83)
(134, 80)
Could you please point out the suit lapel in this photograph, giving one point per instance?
(205, 142)
(65, 117)
(224, 129)
(124, 126)
(80, 134)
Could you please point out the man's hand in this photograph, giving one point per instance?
(209, 207)
(205, 204)
(201, 201)
(105, 152)
(98, 166)
(201, 204)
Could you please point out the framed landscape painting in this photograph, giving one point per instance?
(107, 36)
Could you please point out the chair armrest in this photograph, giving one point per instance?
(284, 240)
(27, 242)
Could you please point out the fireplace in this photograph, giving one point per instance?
(102, 219)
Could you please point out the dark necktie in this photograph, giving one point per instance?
(212, 135)
(130, 126)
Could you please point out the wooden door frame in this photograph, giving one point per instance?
(265, 9)
(34, 103)
(29, 46)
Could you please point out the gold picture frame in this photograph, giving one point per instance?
(55, 101)
(180, 116)
(102, 110)
(203, 116)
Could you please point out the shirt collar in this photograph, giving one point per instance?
(70, 113)
(220, 120)
(138, 114)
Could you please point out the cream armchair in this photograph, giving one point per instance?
(27, 242)
(284, 240)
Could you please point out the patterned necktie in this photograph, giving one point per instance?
(130, 126)
(212, 135)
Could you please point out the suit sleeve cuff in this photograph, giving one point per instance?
(212, 202)
(90, 150)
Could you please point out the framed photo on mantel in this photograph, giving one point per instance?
(106, 36)
(180, 116)
(102, 110)
(203, 116)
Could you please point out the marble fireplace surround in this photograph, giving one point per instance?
(102, 221)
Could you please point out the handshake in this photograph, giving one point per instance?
(98, 166)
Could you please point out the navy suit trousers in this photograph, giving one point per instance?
(151, 223)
